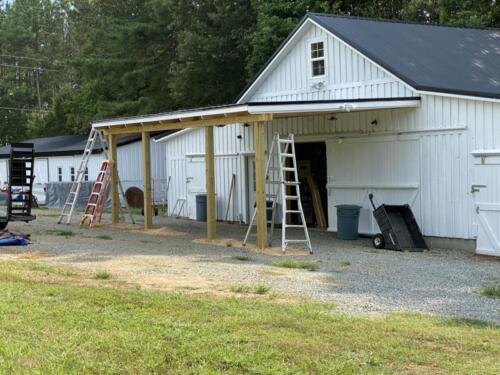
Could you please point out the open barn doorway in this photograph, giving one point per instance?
(311, 164)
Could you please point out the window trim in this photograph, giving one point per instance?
(312, 59)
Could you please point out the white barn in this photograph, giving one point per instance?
(57, 160)
(409, 112)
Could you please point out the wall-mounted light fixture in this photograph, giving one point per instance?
(239, 136)
(332, 118)
(246, 124)
(374, 122)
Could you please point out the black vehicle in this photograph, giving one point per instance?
(400, 230)
(16, 202)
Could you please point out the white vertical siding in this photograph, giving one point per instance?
(183, 149)
(447, 129)
(349, 75)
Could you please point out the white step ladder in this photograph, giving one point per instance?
(72, 198)
(283, 151)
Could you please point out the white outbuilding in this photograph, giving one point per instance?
(409, 112)
(57, 160)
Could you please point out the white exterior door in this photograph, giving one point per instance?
(485, 190)
(195, 180)
(41, 178)
(388, 167)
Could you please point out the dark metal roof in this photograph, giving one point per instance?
(458, 60)
(64, 145)
(428, 57)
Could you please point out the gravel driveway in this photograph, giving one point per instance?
(353, 275)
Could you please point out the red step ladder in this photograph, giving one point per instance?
(97, 198)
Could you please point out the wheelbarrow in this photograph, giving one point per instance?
(399, 228)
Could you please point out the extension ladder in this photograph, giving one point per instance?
(97, 197)
(283, 152)
(72, 198)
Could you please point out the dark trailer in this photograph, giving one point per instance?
(18, 197)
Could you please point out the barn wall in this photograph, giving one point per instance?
(186, 166)
(349, 75)
(446, 130)
(130, 168)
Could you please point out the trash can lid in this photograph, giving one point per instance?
(348, 207)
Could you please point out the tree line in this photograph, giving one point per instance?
(65, 63)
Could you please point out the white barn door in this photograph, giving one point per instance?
(195, 180)
(486, 193)
(388, 167)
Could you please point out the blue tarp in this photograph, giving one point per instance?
(12, 238)
(14, 241)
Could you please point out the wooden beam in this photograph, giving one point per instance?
(210, 182)
(169, 125)
(146, 166)
(115, 197)
(259, 137)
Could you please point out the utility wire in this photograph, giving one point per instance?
(23, 109)
(29, 67)
(25, 58)
(46, 59)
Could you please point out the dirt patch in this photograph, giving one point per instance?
(163, 231)
(231, 242)
(31, 255)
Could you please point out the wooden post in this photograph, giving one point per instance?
(146, 166)
(260, 182)
(210, 182)
(115, 197)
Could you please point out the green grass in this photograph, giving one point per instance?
(102, 275)
(248, 289)
(63, 328)
(61, 232)
(490, 291)
(242, 258)
(104, 237)
(300, 264)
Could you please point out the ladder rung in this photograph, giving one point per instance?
(289, 141)
(292, 197)
(286, 155)
(293, 226)
(293, 211)
(296, 241)
(291, 183)
(288, 169)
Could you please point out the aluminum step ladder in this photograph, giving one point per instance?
(72, 198)
(98, 195)
(280, 180)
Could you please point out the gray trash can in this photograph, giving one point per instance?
(201, 207)
(347, 221)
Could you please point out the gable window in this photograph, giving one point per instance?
(59, 174)
(86, 174)
(318, 59)
(72, 174)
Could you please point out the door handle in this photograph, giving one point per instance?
(476, 188)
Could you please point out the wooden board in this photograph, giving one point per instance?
(317, 203)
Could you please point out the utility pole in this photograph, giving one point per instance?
(37, 80)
